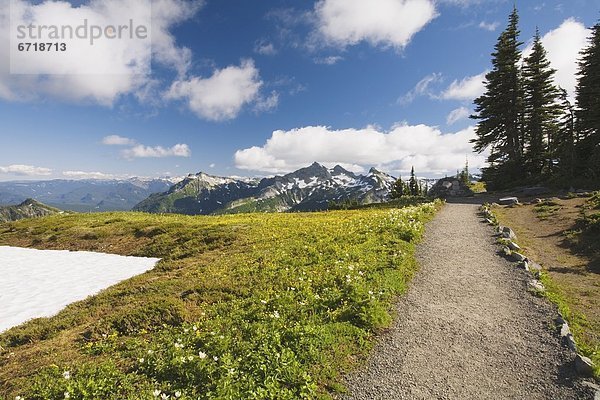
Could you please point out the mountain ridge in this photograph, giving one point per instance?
(85, 195)
(306, 189)
(29, 208)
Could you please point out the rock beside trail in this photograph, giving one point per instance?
(450, 187)
(584, 365)
(508, 201)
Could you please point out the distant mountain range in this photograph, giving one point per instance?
(85, 195)
(307, 189)
(27, 209)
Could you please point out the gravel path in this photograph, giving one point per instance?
(467, 328)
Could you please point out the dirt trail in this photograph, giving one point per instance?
(467, 328)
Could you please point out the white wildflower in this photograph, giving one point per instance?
(216, 358)
(67, 374)
(67, 395)
(202, 355)
(141, 360)
(156, 393)
(178, 394)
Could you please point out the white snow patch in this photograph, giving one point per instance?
(39, 283)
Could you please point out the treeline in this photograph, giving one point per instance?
(411, 188)
(532, 129)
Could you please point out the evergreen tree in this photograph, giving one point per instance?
(588, 106)
(397, 189)
(499, 109)
(413, 185)
(541, 106)
(563, 147)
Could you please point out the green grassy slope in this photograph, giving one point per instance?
(245, 306)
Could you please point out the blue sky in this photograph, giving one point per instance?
(263, 87)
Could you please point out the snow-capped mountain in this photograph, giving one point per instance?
(310, 188)
(85, 194)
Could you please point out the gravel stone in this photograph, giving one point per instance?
(467, 328)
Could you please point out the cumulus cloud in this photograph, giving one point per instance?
(221, 96)
(389, 23)
(468, 88)
(563, 45)
(25, 170)
(116, 140)
(457, 115)
(119, 67)
(424, 147)
(421, 88)
(141, 151)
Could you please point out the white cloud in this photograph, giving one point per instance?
(221, 96)
(265, 48)
(457, 115)
(141, 151)
(467, 3)
(68, 73)
(265, 104)
(489, 26)
(330, 60)
(116, 140)
(378, 22)
(425, 147)
(468, 88)
(25, 170)
(563, 45)
(212, 165)
(421, 88)
(92, 175)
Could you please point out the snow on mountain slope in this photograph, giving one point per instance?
(310, 188)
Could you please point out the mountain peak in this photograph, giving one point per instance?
(30, 202)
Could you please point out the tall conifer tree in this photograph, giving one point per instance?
(499, 109)
(588, 106)
(541, 109)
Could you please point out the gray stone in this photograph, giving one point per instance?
(518, 256)
(508, 201)
(584, 365)
(560, 319)
(571, 342)
(508, 233)
(536, 286)
(450, 187)
(513, 246)
(565, 330)
(534, 266)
